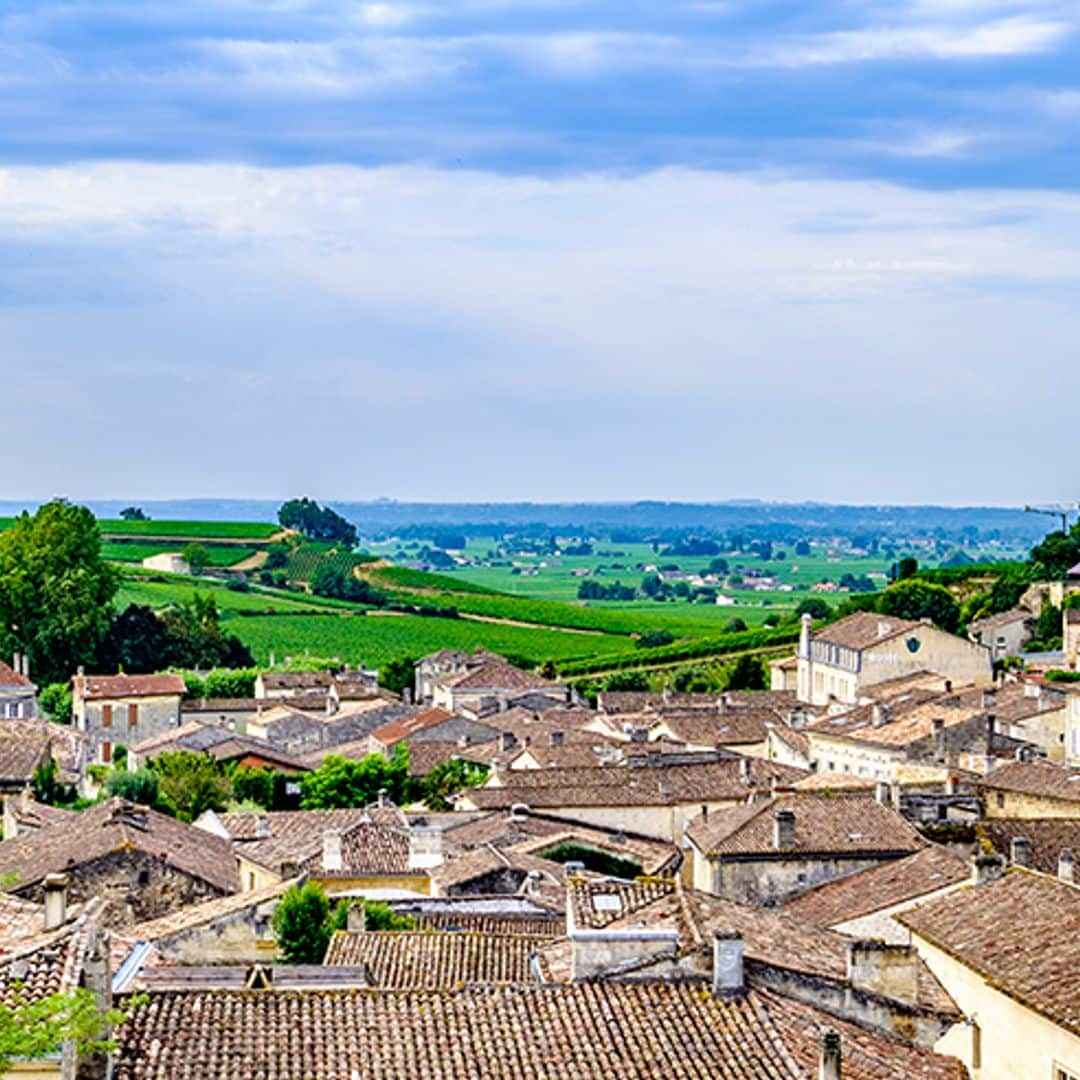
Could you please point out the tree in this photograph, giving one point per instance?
(141, 786)
(398, 675)
(36, 1029)
(735, 626)
(915, 599)
(1048, 628)
(56, 701)
(906, 568)
(654, 639)
(1057, 554)
(195, 638)
(315, 522)
(137, 642)
(748, 673)
(802, 548)
(448, 778)
(378, 915)
(300, 924)
(813, 606)
(342, 782)
(196, 556)
(56, 590)
(133, 513)
(190, 784)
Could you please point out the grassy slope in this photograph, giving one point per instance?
(208, 530)
(136, 551)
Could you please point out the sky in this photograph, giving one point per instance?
(541, 249)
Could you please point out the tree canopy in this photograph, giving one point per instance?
(915, 599)
(1058, 553)
(316, 522)
(36, 1029)
(341, 782)
(301, 924)
(56, 590)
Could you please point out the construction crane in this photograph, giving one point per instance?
(1058, 511)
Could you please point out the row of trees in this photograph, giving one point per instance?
(316, 522)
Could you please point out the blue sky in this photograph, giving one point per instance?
(541, 249)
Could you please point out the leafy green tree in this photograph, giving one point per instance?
(802, 548)
(56, 590)
(915, 599)
(448, 778)
(655, 639)
(56, 701)
(813, 606)
(190, 784)
(906, 568)
(137, 642)
(300, 924)
(254, 785)
(1057, 554)
(133, 513)
(1048, 628)
(316, 522)
(748, 673)
(735, 626)
(141, 786)
(196, 556)
(619, 681)
(378, 915)
(194, 638)
(33, 1029)
(398, 675)
(341, 782)
(45, 782)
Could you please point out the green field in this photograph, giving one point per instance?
(374, 639)
(197, 530)
(135, 551)
(179, 590)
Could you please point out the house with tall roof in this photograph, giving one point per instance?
(124, 709)
(1007, 950)
(1004, 633)
(769, 850)
(838, 661)
(18, 695)
(491, 687)
(1031, 789)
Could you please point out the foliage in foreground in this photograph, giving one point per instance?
(35, 1029)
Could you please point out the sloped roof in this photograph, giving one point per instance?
(589, 1030)
(406, 960)
(116, 825)
(880, 887)
(10, 679)
(865, 628)
(94, 687)
(24, 744)
(391, 734)
(1018, 933)
(1046, 838)
(1035, 778)
(496, 675)
(835, 825)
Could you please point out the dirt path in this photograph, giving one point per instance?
(252, 562)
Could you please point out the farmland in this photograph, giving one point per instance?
(135, 551)
(375, 639)
(191, 530)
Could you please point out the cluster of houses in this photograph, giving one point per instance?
(866, 872)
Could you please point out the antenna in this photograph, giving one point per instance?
(1059, 510)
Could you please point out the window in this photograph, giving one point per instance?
(106, 716)
(1061, 1073)
(106, 752)
(1000, 799)
(133, 715)
(144, 877)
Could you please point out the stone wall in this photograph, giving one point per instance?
(772, 881)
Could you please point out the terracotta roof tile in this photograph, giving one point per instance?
(436, 961)
(1018, 933)
(880, 887)
(1046, 837)
(1035, 778)
(391, 734)
(11, 679)
(592, 1030)
(93, 687)
(863, 629)
(844, 825)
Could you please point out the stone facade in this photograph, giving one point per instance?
(769, 881)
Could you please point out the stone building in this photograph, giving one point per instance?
(124, 709)
(18, 695)
(1031, 789)
(770, 850)
(839, 661)
(145, 864)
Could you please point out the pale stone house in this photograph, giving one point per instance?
(841, 660)
(1004, 634)
(1031, 789)
(18, 695)
(127, 709)
(168, 562)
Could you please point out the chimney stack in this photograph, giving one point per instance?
(331, 850)
(892, 971)
(883, 792)
(830, 1055)
(55, 888)
(804, 635)
(784, 830)
(880, 715)
(937, 729)
(1067, 866)
(356, 918)
(262, 828)
(986, 868)
(1020, 851)
(987, 699)
(728, 977)
(744, 770)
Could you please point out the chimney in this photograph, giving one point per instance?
(744, 770)
(1067, 866)
(356, 917)
(290, 868)
(991, 723)
(937, 730)
(519, 811)
(331, 850)
(883, 792)
(881, 715)
(986, 700)
(728, 978)
(262, 828)
(883, 628)
(830, 1055)
(55, 888)
(574, 868)
(986, 868)
(425, 847)
(1020, 851)
(506, 741)
(804, 635)
(890, 971)
(784, 830)
(532, 883)
(1023, 754)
